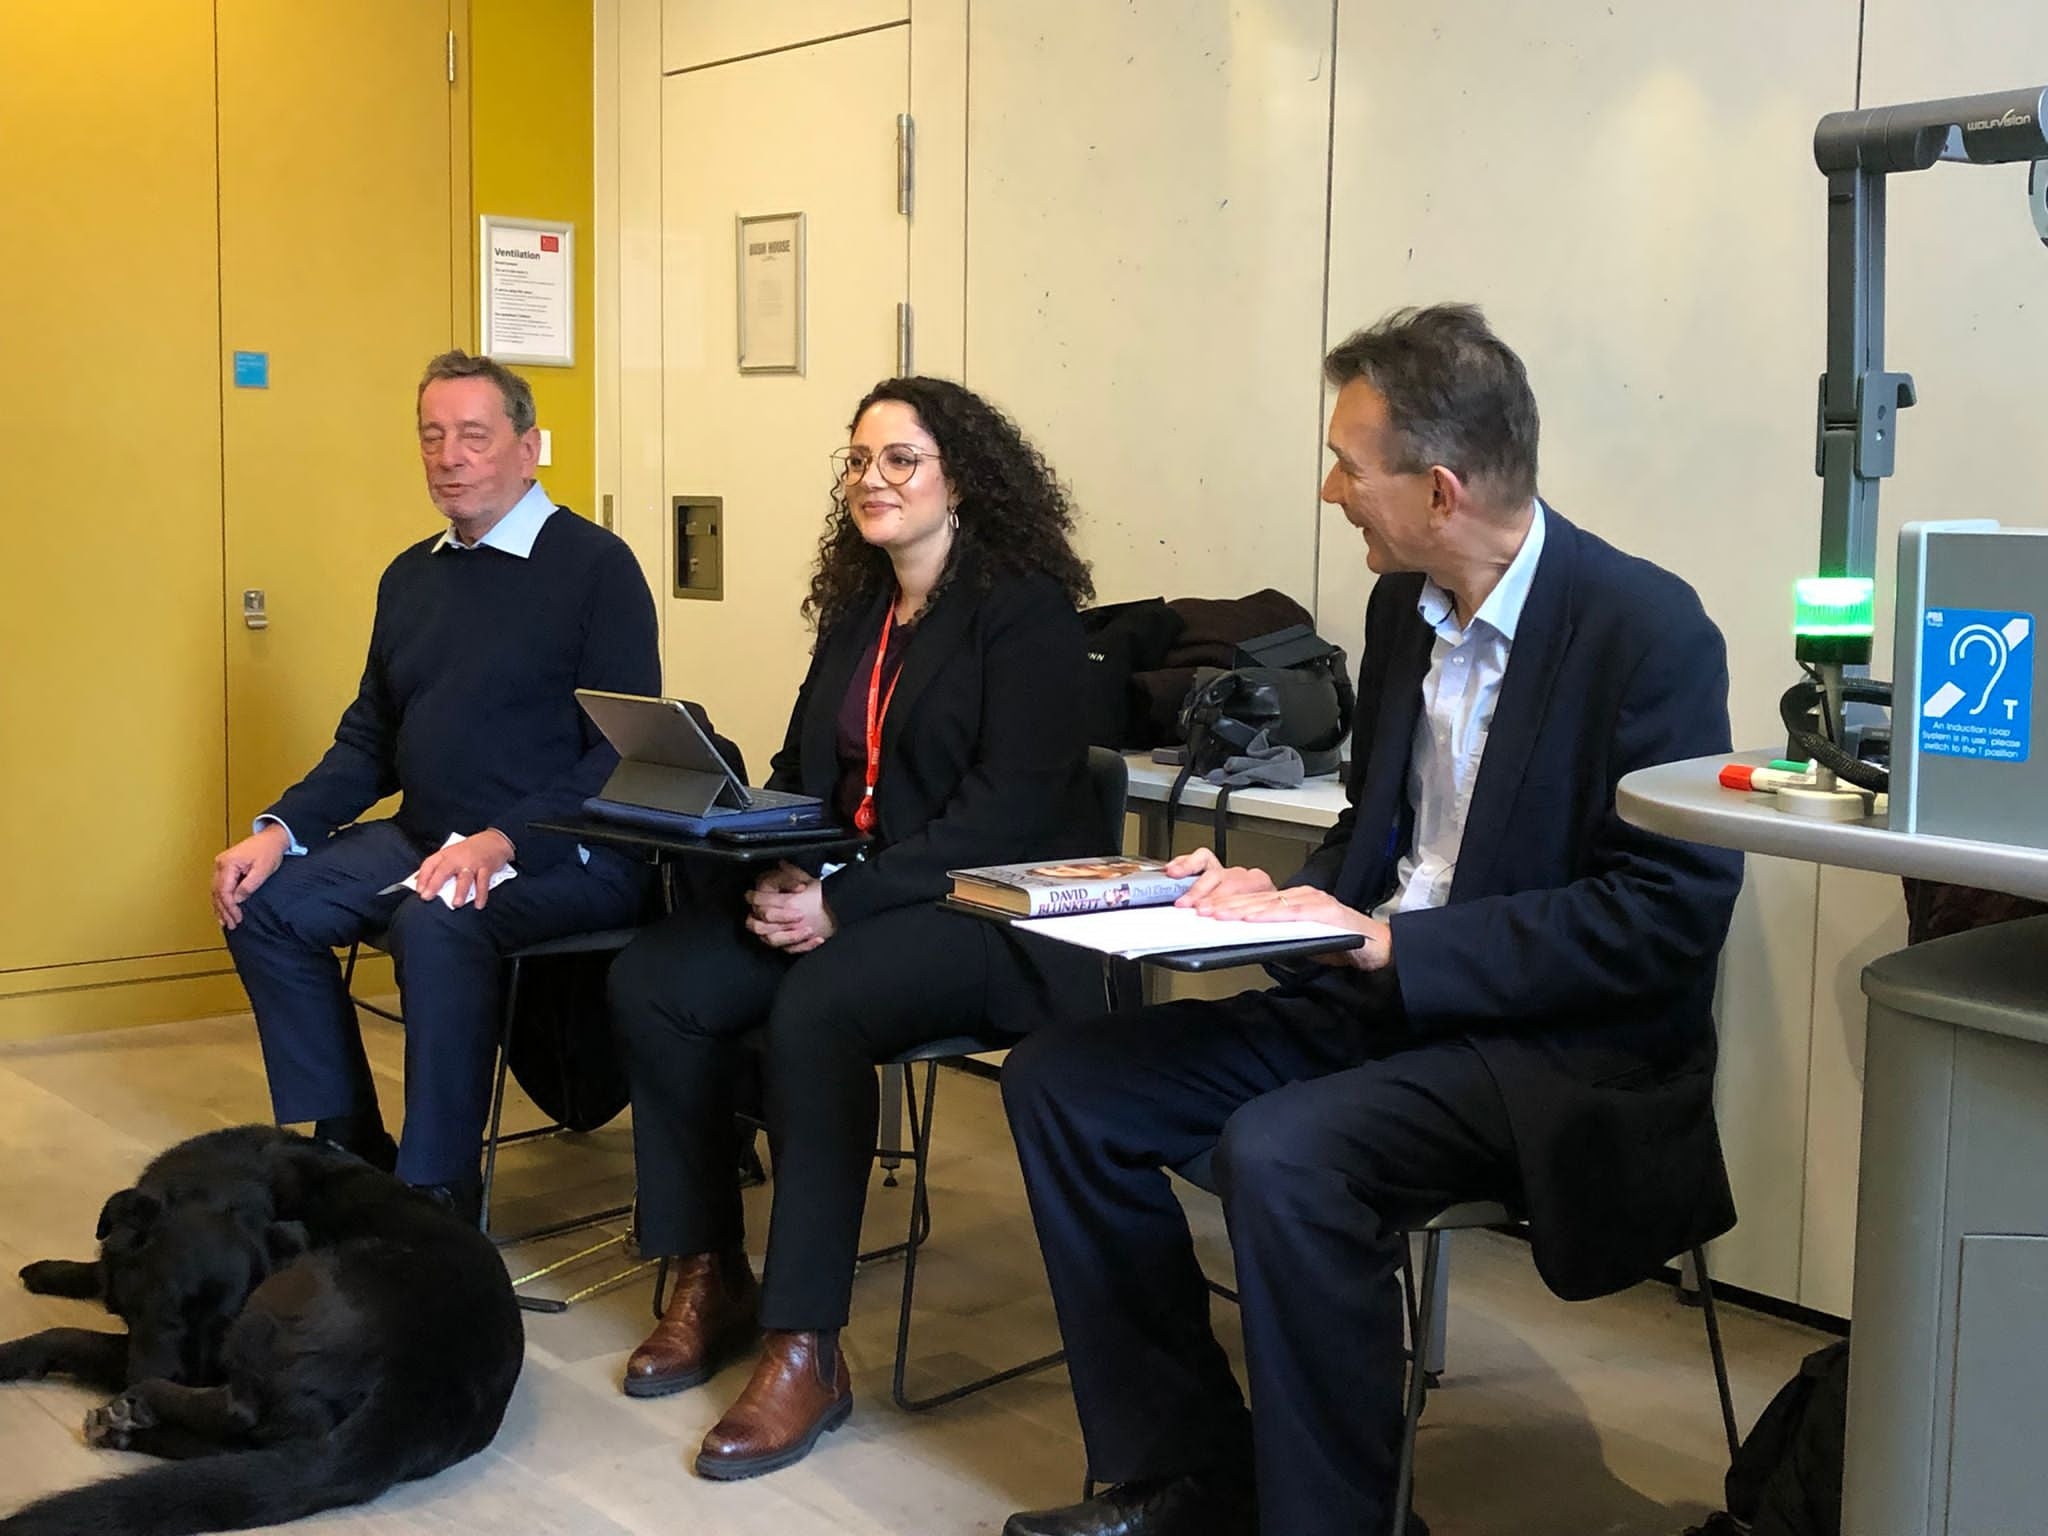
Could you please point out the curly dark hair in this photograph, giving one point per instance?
(1013, 513)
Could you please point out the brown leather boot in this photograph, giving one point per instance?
(710, 1319)
(799, 1390)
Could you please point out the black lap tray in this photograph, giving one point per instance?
(829, 843)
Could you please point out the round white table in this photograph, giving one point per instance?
(1948, 1389)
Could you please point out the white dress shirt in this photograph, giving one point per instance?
(513, 533)
(1459, 693)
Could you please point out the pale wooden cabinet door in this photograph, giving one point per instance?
(818, 126)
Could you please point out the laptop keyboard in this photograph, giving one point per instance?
(777, 799)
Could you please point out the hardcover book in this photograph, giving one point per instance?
(1069, 885)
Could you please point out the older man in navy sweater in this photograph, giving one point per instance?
(467, 711)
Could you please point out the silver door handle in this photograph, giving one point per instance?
(253, 612)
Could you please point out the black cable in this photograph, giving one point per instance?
(1810, 695)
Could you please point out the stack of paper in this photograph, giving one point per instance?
(1137, 931)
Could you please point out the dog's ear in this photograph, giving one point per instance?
(130, 1208)
(285, 1241)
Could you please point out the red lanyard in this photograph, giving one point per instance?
(864, 813)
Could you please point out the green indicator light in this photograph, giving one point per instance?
(1826, 607)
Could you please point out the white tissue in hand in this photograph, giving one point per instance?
(447, 891)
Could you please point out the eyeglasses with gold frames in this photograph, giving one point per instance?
(898, 462)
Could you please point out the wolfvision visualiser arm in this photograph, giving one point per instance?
(1857, 419)
(1859, 400)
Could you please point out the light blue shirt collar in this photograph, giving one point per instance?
(1502, 610)
(513, 533)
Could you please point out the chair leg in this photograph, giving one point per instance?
(894, 1078)
(498, 1093)
(920, 1230)
(348, 977)
(493, 1140)
(921, 1148)
(660, 1287)
(1418, 1384)
(920, 1220)
(1706, 1282)
(1433, 1340)
(1408, 1292)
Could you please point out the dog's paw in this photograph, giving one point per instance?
(112, 1425)
(61, 1277)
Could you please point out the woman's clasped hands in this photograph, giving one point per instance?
(786, 910)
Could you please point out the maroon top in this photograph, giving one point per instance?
(852, 735)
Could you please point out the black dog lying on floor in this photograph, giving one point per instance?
(304, 1332)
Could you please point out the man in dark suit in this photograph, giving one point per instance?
(1528, 1019)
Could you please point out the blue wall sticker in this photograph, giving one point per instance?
(1977, 684)
(252, 370)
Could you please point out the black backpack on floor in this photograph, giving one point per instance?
(1786, 1480)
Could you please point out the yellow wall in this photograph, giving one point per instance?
(112, 763)
(530, 106)
(115, 741)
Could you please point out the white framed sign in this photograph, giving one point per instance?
(528, 289)
(771, 293)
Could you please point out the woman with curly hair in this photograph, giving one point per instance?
(937, 715)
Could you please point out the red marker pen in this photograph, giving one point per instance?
(1763, 780)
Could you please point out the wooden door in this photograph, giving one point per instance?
(819, 128)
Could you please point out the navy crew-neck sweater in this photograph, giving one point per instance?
(467, 706)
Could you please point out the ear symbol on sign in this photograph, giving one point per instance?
(1991, 640)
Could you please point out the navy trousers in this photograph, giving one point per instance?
(450, 979)
(1329, 1136)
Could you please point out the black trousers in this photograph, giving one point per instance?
(685, 992)
(1328, 1139)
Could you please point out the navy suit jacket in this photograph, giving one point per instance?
(1576, 952)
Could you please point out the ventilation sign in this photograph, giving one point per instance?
(1977, 675)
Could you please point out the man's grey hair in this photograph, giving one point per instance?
(1456, 396)
(518, 394)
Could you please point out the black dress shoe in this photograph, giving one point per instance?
(1153, 1506)
(465, 1198)
(362, 1135)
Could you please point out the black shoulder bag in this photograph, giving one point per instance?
(1291, 686)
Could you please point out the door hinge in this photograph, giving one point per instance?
(451, 56)
(905, 341)
(906, 164)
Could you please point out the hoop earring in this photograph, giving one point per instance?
(953, 519)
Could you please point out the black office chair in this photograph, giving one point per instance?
(600, 941)
(1425, 1317)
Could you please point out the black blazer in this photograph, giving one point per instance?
(983, 762)
(1578, 953)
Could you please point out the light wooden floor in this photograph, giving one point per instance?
(1588, 1418)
